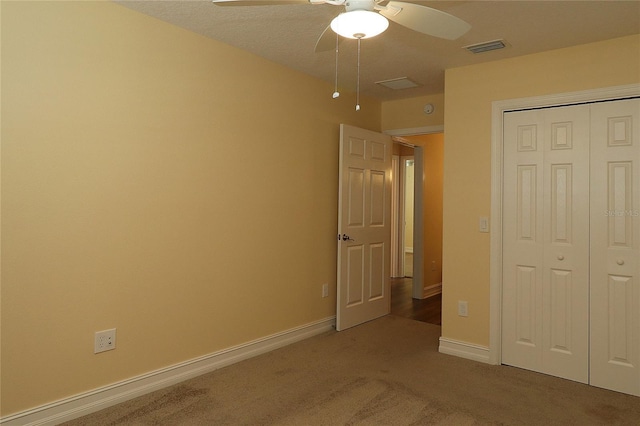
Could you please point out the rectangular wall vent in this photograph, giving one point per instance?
(487, 46)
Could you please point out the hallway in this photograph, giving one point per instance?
(403, 305)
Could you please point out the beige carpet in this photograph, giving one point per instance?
(385, 372)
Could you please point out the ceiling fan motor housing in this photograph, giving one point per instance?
(359, 5)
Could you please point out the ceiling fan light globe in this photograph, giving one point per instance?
(359, 24)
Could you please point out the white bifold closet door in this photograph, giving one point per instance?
(615, 246)
(546, 242)
(570, 243)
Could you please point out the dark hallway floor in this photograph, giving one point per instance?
(403, 305)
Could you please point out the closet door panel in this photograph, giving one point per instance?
(523, 240)
(546, 241)
(566, 243)
(545, 246)
(615, 252)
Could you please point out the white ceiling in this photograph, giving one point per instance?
(287, 34)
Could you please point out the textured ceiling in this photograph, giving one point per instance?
(287, 34)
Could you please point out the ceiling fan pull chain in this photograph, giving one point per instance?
(358, 79)
(335, 92)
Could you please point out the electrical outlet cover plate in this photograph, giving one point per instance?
(104, 340)
(463, 308)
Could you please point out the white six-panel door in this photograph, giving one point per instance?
(546, 241)
(364, 226)
(615, 242)
(571, 229)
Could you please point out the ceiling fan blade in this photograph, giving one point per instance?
(426, 20)
(256, 2)
(327, 40)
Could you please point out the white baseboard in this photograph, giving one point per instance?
(98, 399)
(432, 290)
(464, 350)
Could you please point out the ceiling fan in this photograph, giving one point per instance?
(368, 18)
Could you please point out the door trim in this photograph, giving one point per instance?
(418, 290)
(397, 266)
(403, 214)
(415, 131)
(498, 108)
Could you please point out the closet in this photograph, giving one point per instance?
(571, 238)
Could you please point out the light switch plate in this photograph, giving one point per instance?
(483, 224)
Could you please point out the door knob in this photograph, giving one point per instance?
(345, 237)
(620, 262)
(560, 257)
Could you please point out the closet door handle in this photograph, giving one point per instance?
(560, 257)
(620, 262)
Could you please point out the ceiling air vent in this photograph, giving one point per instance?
(398, 83)
(486, 47)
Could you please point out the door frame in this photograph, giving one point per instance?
(418, 291)
(397, 266)
(403, 212)
(498, 110)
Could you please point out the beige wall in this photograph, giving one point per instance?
(120, 135)
(467, 157)
(122, 205)
(409, 113)
(409, 174)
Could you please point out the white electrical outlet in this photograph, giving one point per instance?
(325, 290)
(463, 308)
(104, 340)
